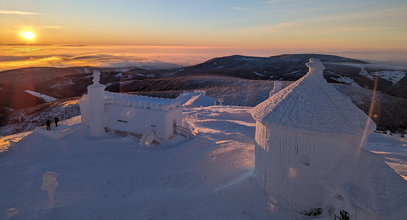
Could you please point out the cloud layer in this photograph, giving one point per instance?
(17, 12)
(152, 57)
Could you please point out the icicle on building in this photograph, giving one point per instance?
(131, 114)
(309, 153)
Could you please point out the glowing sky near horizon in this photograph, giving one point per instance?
(320, 24)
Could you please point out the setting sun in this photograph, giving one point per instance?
(28, 35)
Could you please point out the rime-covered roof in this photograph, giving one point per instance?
(312, 104)
(141, 101)
(369, 183)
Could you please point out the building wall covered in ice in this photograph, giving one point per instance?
(133, 114)
(290, 163)
(137, 119)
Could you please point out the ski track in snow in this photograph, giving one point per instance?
(207, 177)
(40, 95)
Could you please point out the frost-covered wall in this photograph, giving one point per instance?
(135, 114)
(83, 106)
(290, 163)
(96, 110)
(138, 120)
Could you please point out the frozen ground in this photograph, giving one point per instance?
(207, 177)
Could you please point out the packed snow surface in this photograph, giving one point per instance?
(113, 177)
(40, 95)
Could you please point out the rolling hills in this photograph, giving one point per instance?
(240, 80)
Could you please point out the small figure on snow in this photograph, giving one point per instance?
(56, 119)
(48, 122)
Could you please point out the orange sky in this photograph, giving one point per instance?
(278, 24)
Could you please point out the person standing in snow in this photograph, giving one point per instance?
(56, 121)
(48, 122)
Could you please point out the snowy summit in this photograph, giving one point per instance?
(291, 162)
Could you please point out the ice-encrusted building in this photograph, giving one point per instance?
(132, 114)
(309, 153)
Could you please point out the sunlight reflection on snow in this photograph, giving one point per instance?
(7, 141)
(292, 172)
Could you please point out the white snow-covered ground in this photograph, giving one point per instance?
(346, 80)
(40, 95)
(394, 150)
(207, 177)
(392, 76)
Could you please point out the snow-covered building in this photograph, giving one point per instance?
(309, 153)
(132, 114)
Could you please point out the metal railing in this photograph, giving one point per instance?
(185, 132)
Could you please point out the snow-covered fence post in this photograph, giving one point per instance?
(49, 184)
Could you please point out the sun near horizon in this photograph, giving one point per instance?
(27, 35)
(282, 24)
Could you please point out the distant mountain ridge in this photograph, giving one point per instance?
(215, 73)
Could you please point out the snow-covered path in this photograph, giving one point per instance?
(208, 177)
(46, 98)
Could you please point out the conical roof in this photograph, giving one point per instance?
(312, 104)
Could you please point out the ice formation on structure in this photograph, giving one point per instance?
(309, 154)
(96, 94)
(129, 114)
(148, 137)
(49, 184)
